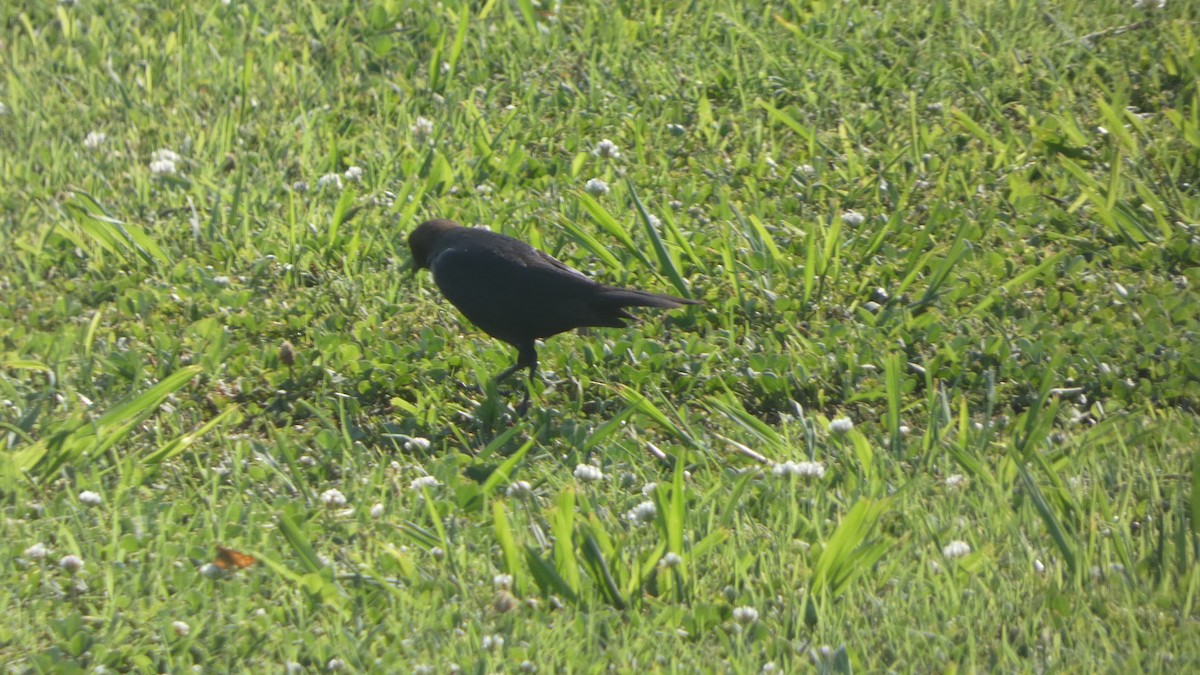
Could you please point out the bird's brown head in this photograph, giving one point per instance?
(423, 241)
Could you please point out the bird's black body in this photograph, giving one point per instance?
(516, 293)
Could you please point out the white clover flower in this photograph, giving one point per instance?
(423, 482)
(676, 129)
(333, 497)
(37, 552)
(94, 139)
(853, 218)
(654, 220)
(89, 498)
(606, 149)
(329, 179)
(807, 169)
(956, 549)
(438, 553)
(162, 162)
(181, 628)
(377, 511)
(644, 512)
(502, 582)
(745, 614)
(588, 473)
(954, 480)
(335, 664)
(527, 667)
(423, 669)
(671, 559)
(71, 563)
(841, 425)
(211, 571)
(596, 187)
(801, 469)
(1039, 567)
(417, 444)
(422, 129)
(353, 173)
(493, 643)
(307, 460)
(519, 489)
(649, 488)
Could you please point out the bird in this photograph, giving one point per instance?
(518, 294)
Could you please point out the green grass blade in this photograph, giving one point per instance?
(612, 227)
(300, 543)
(562, 525)
(591, 244)
(666, 263)
(547, 577)
(594, 560)
(178, 445)
(643, 405)
(1006, 288)
(504, 472)
(508, 543)
(1051, 520)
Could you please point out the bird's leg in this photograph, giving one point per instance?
(526, 358)
(509, 371)
(533, 364)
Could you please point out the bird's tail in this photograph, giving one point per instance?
(616, 298)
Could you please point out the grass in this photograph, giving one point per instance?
(948, 252)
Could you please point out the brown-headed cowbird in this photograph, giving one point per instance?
(517, 293)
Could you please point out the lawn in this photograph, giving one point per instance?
(937, 413)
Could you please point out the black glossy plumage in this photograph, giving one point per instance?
(517, 293)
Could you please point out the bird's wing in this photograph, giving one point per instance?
(489, 271)
(558, 265)
(485, 243)
(511, 298)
